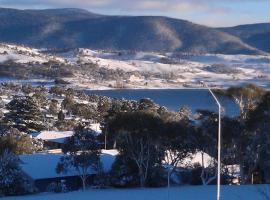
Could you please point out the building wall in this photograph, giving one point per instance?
(71, 182)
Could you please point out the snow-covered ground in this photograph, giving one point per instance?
(150, 70)
(245, 192)
(22, 54)
(175, 72)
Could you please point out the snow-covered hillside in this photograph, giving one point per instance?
(168, 70)
(22, 54)
(148, 69)
(245, 192)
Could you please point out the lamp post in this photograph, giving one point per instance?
(219, 139)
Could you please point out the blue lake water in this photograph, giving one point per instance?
(174, 99)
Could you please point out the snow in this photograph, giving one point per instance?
(21, 54)
(244, 192)
(42, 165)
(197, 158)
(96, 128)
(149, 70)
(188, 71)
(54, 136)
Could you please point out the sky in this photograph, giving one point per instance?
(217, 13)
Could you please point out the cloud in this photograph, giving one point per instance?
(135, 6)
(129, 5)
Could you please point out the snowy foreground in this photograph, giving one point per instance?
(248, 192)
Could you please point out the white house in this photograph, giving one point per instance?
(41, 168)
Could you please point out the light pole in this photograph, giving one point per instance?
(219, 140)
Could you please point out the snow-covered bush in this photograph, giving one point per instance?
(57, 187)
(124, 173)
(157, 177)
(12, 179)
(102, 180)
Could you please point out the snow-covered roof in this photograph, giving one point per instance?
(197, 158)
(96, 128)
(43, 165)
(54, 136)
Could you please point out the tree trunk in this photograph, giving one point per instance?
(242, 174)
(141, 177)
(168, 186)
(83, 182)
(168, 178)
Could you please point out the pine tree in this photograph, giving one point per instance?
(24, 114)
(12, 179)
(53, 108)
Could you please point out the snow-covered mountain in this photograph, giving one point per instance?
(76, 28)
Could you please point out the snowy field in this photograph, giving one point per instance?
(148, 70)
(178, 193)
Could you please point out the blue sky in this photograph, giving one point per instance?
(207, 12)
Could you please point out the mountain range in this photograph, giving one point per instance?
(74, 28)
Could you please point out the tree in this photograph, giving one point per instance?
(84, 110)
(24, 114)
(147, 104)
(68, 103)
(57, 90)
(53, 108)
(176, 145)
(257, 149)
(40, 99)
(27, 89)
(61, 116)
(12, 179)
(136, 134)
(246, 97)
(82, 153)
(15, 142)
(2, 103)
(205, 141)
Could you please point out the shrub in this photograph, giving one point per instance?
(57, 187)
(12, 180)
(124, 173)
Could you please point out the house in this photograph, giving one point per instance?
(41, 169)
(96, 127)
(52, 139)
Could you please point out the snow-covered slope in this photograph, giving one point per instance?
(156, 70)
(147, 69)
(22, 54)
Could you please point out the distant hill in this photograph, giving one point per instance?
(72, 28)
(257, 35)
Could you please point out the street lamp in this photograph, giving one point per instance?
(219, 139)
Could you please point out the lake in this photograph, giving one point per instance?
(174, 99)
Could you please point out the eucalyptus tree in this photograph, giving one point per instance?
(81, 153)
